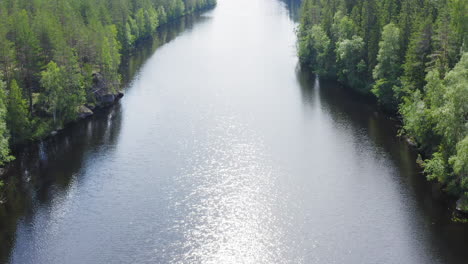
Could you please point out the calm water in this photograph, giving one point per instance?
(223, 151)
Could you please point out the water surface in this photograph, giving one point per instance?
(224, 151)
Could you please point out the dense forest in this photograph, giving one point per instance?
(412, 55)
(58, 57)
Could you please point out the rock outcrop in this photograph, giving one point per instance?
(462, 205)
(104, 91)
(84, 112)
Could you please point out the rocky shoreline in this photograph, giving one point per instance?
(104, 97)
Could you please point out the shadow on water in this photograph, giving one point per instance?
(362, 116)
(166, 33)
(48, 169)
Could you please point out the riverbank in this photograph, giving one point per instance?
(395, 55)
(104, 93)
(459, 205)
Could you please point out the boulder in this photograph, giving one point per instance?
(462, 204)
(84, 112)
(104, 91)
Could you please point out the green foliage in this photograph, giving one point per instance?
(387, 71)
(459, 162)
(162, 14)
(7, 53)
(343, 28)
(417, 57)
(50, 52)
(438, 121)
(317, 44)
(418, 121)
(413, 54)
(176, 8)
(350, 64)
(54, 97)
(27, 49)
(17, 117)
(4, 133)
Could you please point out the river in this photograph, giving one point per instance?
(224, 151)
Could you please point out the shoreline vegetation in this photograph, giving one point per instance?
(412, 56)
(59, 61)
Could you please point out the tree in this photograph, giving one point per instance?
(387, 71)
(459, 162)
(445, 52)
(452, 114)
(17, 114)
(316, 48)
(162, 14)
(350, 65)
(417, 58)
(27, 50)
(343, 28)
(7, 54)
(176, 8)
(52, 80)
(4, 133)
(439, 120)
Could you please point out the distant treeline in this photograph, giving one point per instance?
(52, 51)
(412, 55)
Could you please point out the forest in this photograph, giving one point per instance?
(412, 56)
(58, 56)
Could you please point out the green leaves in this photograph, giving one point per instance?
(350, 64)
(18, 118)
(4, 133)
(439, 118)
(387, 70)
(52, 80)
(459, 162)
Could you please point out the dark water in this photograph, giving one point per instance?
(223, 151)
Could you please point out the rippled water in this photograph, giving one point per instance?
(224, 151)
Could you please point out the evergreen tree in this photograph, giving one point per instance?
(27, 49)
(387, 71)
(17, 114)
(4, 133)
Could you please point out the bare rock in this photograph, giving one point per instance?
(84, 112)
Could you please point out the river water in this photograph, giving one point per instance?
(224, 151)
